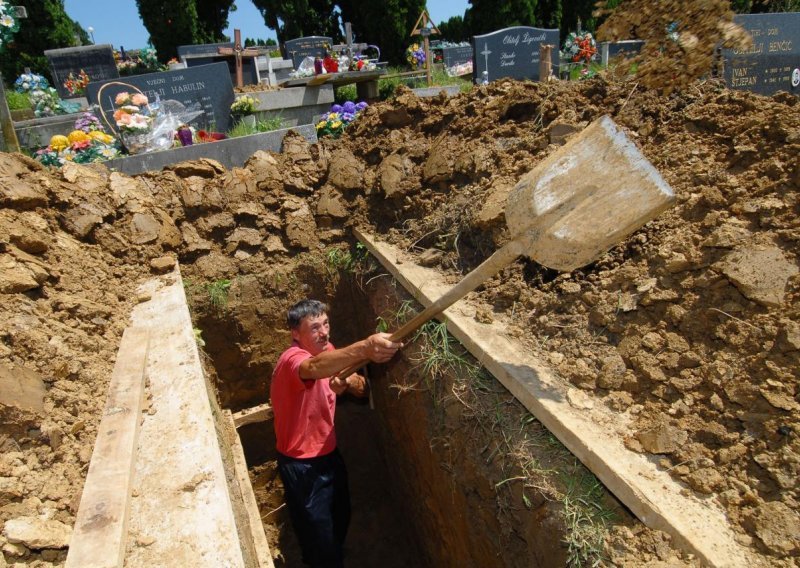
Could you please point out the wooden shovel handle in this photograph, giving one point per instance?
(488, 268)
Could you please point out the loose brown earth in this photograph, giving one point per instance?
(691, 324)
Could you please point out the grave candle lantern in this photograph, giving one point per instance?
(185, 135)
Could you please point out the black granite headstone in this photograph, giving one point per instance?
(96, 60)
(772, 61)
(513, 52)
(456, 55)
(311, 46)
(209, 85)
(202, 49)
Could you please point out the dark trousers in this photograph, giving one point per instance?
(318, 497)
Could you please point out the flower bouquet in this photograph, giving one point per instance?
(134, 120)
(334, 122)
(580, 47)
(79, 147)
(9, 25)
(415, 55)
(76, 86)
(244, 105)
(29, 82)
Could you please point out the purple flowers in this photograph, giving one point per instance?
(88, 122)
(336, 120)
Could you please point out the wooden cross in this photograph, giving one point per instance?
(238, 52)
(425, 27)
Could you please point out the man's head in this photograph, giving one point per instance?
(308, 321)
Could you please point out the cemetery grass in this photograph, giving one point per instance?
(265, 125)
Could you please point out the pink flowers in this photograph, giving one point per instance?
(125, 98)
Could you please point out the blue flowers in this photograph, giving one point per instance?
(28, 82)
(336, 120)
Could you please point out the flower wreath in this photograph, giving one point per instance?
(580, 47)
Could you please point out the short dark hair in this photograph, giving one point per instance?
(304, 309)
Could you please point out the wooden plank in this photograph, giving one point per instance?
(259, 537)
(101, 528)
(584, 426)
(260, 413)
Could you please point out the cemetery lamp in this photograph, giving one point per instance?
(90, 29)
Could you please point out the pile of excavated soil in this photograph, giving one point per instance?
(691, 324)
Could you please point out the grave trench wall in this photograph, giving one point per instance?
(437, 476)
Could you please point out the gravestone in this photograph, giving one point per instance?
(207, 53)
(209, 85)
(455, 55)
(302, 47)
(96, 60)
(512, 52)
(625, 48)
(772, 63)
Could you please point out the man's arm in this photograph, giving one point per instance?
(377, 348)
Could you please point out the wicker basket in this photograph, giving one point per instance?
(133, 143)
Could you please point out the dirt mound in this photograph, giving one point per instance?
(691, 325)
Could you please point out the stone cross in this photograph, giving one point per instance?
(238, 52)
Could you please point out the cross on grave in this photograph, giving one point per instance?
(349, 47)
(486, 53)
(238, 52)
(425, 27)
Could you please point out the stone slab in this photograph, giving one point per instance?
(772, 62)
(96, 60)
(233, 152)
(36, 132)
(450, 91)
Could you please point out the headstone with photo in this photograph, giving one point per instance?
(96, 60)
(512, 52)
(311, 46)
(205, 54)
(772, 62)
(208, 85)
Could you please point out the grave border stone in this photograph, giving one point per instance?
(515, 52)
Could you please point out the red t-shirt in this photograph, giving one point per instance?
(303, 409)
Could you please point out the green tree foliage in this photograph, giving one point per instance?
(454, 30)
(298, 18)
(46, 27)
(183, 22)
(490, 15)
(762, 6)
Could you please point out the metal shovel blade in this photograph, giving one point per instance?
(586, 197)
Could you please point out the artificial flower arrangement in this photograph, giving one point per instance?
(87, 143)
(9, 25)
(580, 47)
(244, 105)
(132, 116)
(29, 82)
(334, 122)
(415, 55)
(76, 85)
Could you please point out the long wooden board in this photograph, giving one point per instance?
(101, 528)
(256, 527)
(589, 431)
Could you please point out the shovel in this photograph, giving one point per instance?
(574, 205)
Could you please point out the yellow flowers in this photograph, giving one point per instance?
(336, 124)
(101, 137)
(77, 136)
(59, 142)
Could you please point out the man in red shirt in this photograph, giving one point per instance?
(303, 393)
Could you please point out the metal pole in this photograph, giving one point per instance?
(8, 140)
(237, 49)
